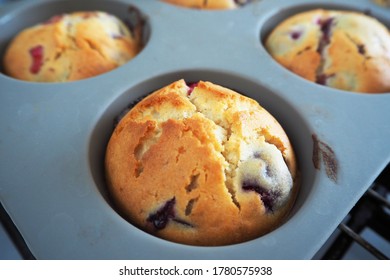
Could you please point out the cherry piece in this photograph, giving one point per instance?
(322, 79)
(37, 59)
(295, 35)
(326, 27)
(191, 87)
(361, 49)
(268, 197)
(161, 218)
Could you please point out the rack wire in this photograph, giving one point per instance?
(372, 211)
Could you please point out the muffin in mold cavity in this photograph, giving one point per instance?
(201, 164)
(346, 50)
(71, 46)
(383, 3)
(210, 4)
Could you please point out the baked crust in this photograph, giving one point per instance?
(206, 5)
(341, 49)
(187, 164)
(70, 47)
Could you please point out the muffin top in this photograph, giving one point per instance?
(71, 47)
(340, 49)
(208, 5)
(201, 165)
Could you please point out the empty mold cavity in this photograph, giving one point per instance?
(31, 13)
(296, 128)
(348, 79)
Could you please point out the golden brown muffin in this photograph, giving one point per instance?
(201, 165)
(70, 47)
(340, 49)
(384, 3)
(208, 4)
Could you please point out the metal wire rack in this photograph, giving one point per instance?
(372, 211)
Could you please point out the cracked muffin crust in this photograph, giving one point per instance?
(201, 164)
(71, 47)
(340, 49)
(208, 4)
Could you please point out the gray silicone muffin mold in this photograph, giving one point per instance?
(53, 136)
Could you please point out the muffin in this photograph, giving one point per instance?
(384, 3)
(208, 5)
(340, 49)
(71, 47)
(201, 164)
